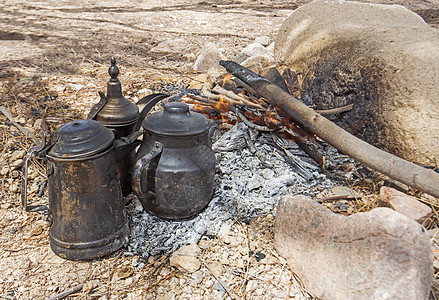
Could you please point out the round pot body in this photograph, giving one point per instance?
(175, 166)
(178, 183)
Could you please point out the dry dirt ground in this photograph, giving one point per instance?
(53, 60)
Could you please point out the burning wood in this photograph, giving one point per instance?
(397, 168)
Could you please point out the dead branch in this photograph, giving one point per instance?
(395, 167)
(232, 296)
(254, 151)
(337, 110)
(23, 130)
(253, 125)
(232, 95)
(67, 293)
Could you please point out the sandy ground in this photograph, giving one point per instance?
(62, 48)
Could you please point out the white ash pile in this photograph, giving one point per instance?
(248, 185)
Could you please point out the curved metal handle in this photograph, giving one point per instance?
(141, 164)
(145, 105)
(97, 107)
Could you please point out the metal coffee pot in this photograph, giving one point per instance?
(86, 207)
(122, 117)
(173, 175)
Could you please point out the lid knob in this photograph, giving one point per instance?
(113, 70)
(177, 107)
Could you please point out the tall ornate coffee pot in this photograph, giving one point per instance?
(120, 116)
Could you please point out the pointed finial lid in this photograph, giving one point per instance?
(113, 70)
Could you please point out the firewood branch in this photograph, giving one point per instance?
(395, 167)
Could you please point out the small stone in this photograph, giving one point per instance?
(186, 264)
(204, 244)
(373, 255)
(16, 155)
(263, 40)
(255, 182)
(4, 171)
(90, 285)
(32, 174)
(345, 191)
(256, 49)
(37, 230)
(189, 250)
(197, 276)
(125, 272)
(404, 204)
(219, 286)
(17, 163)
(198, 81)
(224, 233)
(76, 87)
(209, 57)
(216, 267)
(135, 263)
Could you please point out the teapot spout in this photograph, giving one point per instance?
(125, 145)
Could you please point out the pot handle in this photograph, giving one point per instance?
(38, 152)
(145, 105)
(141, 164)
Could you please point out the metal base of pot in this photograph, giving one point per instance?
(90, 250)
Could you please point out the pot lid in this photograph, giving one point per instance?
(81, 138)
(176, 120)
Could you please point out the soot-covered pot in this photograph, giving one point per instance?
(174, 171)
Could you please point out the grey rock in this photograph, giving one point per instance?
(208, 58)
(263, 40)
(380, 254)
(382, 58)
(404, 204)
(256, 49)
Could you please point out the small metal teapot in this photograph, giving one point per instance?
(174, 169)
(86, 207)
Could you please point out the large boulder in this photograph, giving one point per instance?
(380, 254)
(384, 59)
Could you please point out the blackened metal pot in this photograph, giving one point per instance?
(86, 207)
(173, 175)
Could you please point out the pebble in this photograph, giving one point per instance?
(204, 244)
(186, 264)
(404, 204)
(189, 250)
(263, 40)
(17, 163)
(197, 276)
(224, 233)
(216, 267)
(4, 170)
(16, 155)
(208, 58)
